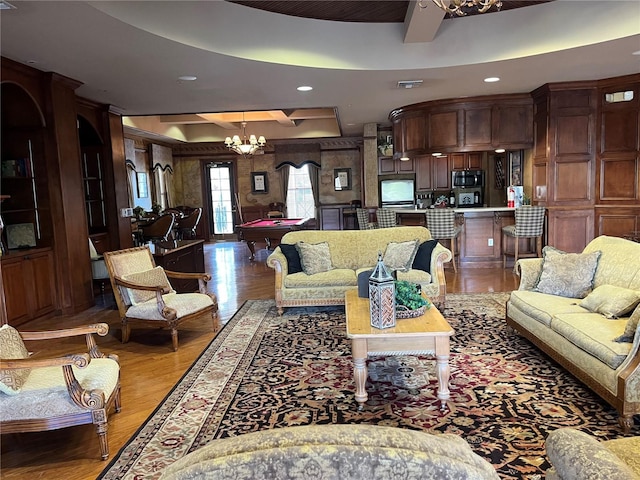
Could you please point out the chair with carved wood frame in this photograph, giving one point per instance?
(144, 295)
(42, 393)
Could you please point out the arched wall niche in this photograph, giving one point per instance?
(19, 108)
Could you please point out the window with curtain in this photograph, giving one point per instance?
(300, 203)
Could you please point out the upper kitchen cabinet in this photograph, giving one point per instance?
(409, 135)
(464, 125)
(391, 166)
(466, 161)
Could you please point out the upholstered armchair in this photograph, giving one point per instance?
(47, 393)
(144, 295)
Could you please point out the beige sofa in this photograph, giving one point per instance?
(580, 339)
(356, 452)
(574, 455)
(352, 252)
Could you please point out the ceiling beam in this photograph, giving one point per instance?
(422, 24)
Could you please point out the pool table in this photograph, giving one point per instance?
(270, 230)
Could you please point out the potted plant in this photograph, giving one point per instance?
(385, 145)
(138, 212)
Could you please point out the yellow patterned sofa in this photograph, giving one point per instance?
(352, 252)
(354, 452)
(576, 455)
(583, 340)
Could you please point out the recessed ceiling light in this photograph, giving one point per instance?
(499, 150)
(188, 78)
(304, 88)
(492, 79)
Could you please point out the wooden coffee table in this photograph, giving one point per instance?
(425, 335)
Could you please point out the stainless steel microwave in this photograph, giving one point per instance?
(467, 178)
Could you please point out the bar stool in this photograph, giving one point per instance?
(386, 218)
(441, 222)
(363, 219)
(529, 225)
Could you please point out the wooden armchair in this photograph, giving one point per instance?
(144, 295)
(51, 393)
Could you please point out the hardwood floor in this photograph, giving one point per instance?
(149, 367)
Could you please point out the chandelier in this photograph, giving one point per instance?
(245, 147)
(464, 7)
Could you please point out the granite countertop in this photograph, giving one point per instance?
(458, 210)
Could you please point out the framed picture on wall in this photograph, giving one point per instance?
(259, 182)
(342, 178)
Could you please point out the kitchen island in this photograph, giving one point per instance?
(480, 241)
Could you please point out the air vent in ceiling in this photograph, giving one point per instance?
(409, 83)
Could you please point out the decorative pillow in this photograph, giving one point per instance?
(12, 347)
(630, 329)
(611, 301)
(314, 257)
(292, 256)
(567, 274)
(400, 255)
(422, 261)
(148, 278)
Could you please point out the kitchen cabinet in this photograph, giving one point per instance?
(409, 137)
(432, 173)
(29, 286)
(466, 161)
(390, 166)
(464, 125)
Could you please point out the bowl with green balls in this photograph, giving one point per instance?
(409, 300)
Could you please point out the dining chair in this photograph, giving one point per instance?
(158, 230)
(441, 222)
(530, 226)
(186, 226)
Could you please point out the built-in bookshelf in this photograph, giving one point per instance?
(21, 211)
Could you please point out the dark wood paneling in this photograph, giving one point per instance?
(571, 230)
(617, 222)
(619, 178)
(29, 285)
(573, 182)
(620, 128)
(573, 135)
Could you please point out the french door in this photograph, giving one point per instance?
(221, 199)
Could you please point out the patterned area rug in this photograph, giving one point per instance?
(263, 371)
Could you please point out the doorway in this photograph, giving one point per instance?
(221, 194)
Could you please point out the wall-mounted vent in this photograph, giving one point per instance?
(409, 83)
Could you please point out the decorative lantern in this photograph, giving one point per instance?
(382, 297)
